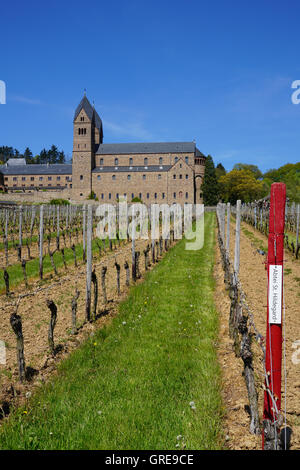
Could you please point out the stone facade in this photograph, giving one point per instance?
(160, 172)
(166, 172)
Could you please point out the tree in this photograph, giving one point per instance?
(246, 166)
(210, 186)
(220, 171)
(28, 155)
(241, 184)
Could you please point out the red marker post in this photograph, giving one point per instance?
(272, 395)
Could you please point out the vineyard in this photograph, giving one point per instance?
(62, 285)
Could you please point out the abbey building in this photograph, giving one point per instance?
(158, 172)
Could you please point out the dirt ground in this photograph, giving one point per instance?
(36, 316)
(253, 278)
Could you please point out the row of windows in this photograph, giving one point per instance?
(143, 176)
(41, 185)
(31, 178)
(146, 160)
(82, 131)
(147, 195)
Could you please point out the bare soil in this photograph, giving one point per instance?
(253, 277)
(36, 317)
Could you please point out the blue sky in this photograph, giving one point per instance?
(218, 72)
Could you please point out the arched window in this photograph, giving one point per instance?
(116, 161)
(160, 160)
(146, 161)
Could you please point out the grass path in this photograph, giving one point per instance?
(133, 384)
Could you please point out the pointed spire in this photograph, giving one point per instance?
(84, 92)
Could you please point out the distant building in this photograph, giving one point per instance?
(158, 172)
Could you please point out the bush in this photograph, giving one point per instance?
(62, 202)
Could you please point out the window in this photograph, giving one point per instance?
(6, 178)
(132, 195)
(58, 178)
(160, 160)
(102, 196)
(23, 178)
(186, 159)
(31, 178)
(148, 195)
(163, 195)
(186, 177)
(81, 194)
(116, 161)
(67, 178)
(174, 177)
(180, 193)
(49, 178)
(155, 195)
(41, 178)
(180, 177)
(176, 159)
(82, 118)
(98, 177)
(129, 177)
(109, 195)
(144, 177)
(101, 161)
(140, 195)
(114, 177)
(145, 161)
(180, 166)
(15, 178)
(81, 177)
(117, 196)
(186, 195)
(159, 177)
(130, 161)
(174, 195)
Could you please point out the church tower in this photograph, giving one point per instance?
(87, 135)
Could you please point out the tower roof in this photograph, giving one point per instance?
(91, 113)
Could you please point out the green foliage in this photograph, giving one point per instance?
(240, 184)
(53, 155)
(220, 171)
(210, 187)
(136, 199)
(92, 196)
(252, 168)
(288, 174)
(63, 202)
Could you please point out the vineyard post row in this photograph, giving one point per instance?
(257, 214)
(87, 216)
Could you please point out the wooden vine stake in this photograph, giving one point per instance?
(53, 309)
(127, 270)
(118, 268)
(88, 263)
(41, 240)
(95, 284)
(103, 273)
(16, 324)
(273, 358)
(74, 311)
